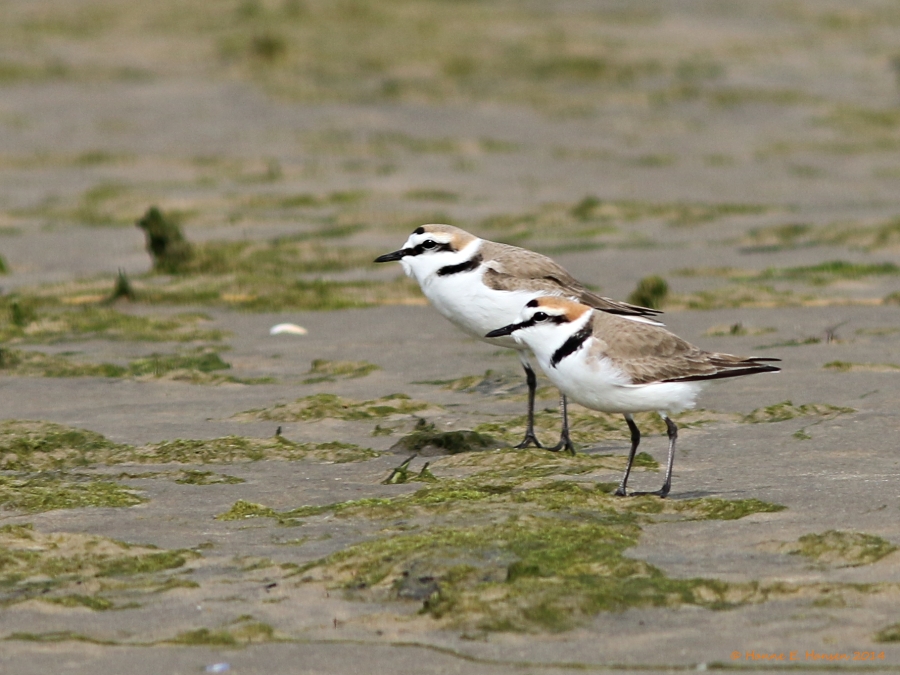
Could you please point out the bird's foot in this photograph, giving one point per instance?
(661, 493)
(530, 441)
(564, 444)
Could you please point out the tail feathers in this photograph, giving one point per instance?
(611, 306)
(725, 365)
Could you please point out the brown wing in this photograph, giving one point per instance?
(510, 268)
(648, 353)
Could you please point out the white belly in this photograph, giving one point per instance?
(600, 386)
(474, 307)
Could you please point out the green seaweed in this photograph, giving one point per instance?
(241, 510)
(724, 509)
(58, 567)
(522, 574)
(95, 603)
(650, 292)
(321, 406)
(844, 549)
(197, 366)
(205, 636)
(38, 319)
(194, 477)
(36, 493)
(323, 370)
(830, 271)
(868, 237)
(241, 632)
(849, 366)
(38, 446)
(888, 634)
(35, 363)
(170, 251)
(426, 439)
(236, 448)
(781, 412)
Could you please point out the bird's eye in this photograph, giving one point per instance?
(428, 243)
(541, 316)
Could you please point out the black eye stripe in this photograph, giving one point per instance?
(551, 318)
(419, 249)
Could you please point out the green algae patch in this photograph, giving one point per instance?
(322, 370)
(202, 360)
(205, 636)
(848, 366)
(322, 406)
(289, 255)
(238, 448)
(58, 636)
(786, 410)
(79, 570)
(830, 272)
(41, 446)
(165, 242)
(651, 292)
(40, 318)
(524, 574)
(34, 363)
(888, 634)
(242, 510)
(842, 549)
(426, 440)
(199, 366)
(402, 474)
(239, 633)
(194, 477)
(88, 601)
(734, 296)
(513, 546)
(278, 274)
(36, 493)
(857, 235)
(38, 446)
(818, 275)
(724, 509)
(255, 293)
(592, 217)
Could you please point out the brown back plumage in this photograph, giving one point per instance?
(511, 268)
(648, 353)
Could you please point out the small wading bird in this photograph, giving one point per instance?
(481, 285)
(618, 365)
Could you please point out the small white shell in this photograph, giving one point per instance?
(291, 328)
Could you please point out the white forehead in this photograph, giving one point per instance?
(440, 237)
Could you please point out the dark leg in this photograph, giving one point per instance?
(530, 439)
(635, 442)
(673, 436)
(565, 443)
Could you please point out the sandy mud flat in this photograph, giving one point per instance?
(181, 491)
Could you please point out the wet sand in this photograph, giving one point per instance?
(707, 195)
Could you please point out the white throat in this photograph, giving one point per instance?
(546, 339)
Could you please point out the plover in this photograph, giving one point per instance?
(618, 365)
(481, 285)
